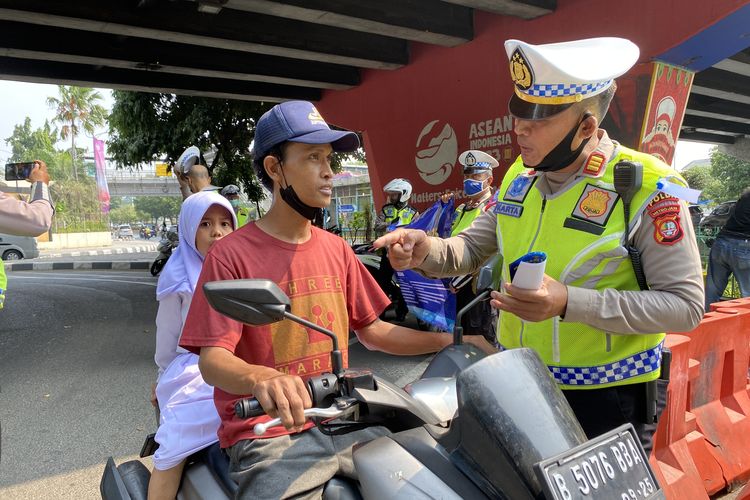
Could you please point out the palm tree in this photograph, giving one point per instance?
(76, 108)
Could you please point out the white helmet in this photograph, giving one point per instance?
(399, 186)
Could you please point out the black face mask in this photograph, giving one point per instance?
(313, 214)
(561, 155)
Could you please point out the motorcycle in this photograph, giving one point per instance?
(473, 426)
(166, 245)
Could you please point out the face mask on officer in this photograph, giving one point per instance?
(394, 197)
(473, 187)
(235, 203)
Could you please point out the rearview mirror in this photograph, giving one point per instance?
(488, 278)
(251, 301)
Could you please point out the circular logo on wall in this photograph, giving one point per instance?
(437, 150)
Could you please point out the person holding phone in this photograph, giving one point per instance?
(22, 218)
(600, 333)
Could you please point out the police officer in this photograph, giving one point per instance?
(191, 174)
(397, 212)
(26, 219)
(477, 169)
(597, 326)
(232, 193)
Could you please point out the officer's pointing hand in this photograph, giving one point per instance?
(407, 248)
(550, 300)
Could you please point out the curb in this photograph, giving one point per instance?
(78, 266)
(107, 251)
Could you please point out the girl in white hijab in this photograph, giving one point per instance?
(188, 420)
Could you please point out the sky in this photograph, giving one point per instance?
(20, 100)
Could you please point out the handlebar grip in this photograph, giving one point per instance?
(248, 408)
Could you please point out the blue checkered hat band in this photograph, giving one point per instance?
(565, 89)
(632, 366)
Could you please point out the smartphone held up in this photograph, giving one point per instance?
(18, 171)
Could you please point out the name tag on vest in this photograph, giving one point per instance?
(508, 209)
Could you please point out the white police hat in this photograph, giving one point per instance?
(549, 78)
(187, 159)
(475, 161)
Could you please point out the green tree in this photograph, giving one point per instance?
(731, 174)
(124, 214)
(145, 127)
(155, 207)
(77, 108)
(700, 177)
(27, 144)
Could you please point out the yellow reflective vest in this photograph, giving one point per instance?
(582, 231)
(3, 284)
(243, 215)
(402, 216)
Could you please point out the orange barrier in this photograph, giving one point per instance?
(718, 393)
(732, 304)
(671, 458)
(702, 444)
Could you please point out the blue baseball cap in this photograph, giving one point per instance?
(298, 121)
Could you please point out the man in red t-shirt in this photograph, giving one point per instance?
(326, 284)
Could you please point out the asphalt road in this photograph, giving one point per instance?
(76, 364)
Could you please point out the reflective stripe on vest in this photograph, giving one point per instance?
(583, 232)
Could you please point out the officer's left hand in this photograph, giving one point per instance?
(550, 300)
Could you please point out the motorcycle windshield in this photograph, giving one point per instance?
(511, 415)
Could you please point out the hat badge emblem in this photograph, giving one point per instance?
(470, 160)
(520, 70)
(315, 117)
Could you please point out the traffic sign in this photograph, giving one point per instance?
(344, 209)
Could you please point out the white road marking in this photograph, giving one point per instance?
(60, 278)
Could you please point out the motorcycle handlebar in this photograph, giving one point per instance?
(248, 408)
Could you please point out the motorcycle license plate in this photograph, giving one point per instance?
(612, 466)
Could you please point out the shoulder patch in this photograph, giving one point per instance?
(519, 188)
(665, 214)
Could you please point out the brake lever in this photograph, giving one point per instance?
(333, 411)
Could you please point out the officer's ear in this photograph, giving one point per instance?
(589, 125)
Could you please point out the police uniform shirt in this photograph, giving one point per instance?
(674, 272)
(26, 219)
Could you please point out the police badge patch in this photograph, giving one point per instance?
(519, 188)
(665, 212)
(595, 204)
(520, 70)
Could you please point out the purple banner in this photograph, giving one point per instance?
(101, 176)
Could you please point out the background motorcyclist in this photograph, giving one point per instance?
(477, 169)
(232, 193)
(396, 212)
